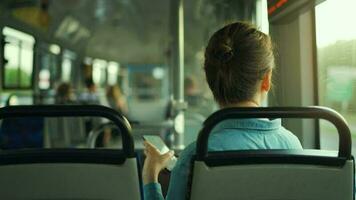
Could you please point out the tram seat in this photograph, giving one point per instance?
(68, 174)
(273, 174)
(277, 175)
(17, 133)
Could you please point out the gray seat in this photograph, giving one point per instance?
(68, 174)
(273, 174)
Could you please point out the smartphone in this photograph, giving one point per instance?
(162, 148)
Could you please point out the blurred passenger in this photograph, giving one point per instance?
(64, 94)
(89, 96)
(116, 99)
(238, 66)
(192, 95)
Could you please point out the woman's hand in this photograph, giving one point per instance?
(154, 163)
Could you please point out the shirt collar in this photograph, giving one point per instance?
(251, 124)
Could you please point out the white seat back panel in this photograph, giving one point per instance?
(70, 181)
(272, 182)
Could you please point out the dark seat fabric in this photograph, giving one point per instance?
(17, 133)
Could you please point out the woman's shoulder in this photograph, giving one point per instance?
(291, 139)
(186, 155)
(189, 150)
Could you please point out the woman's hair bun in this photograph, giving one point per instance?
(224, 53)
(236, 59)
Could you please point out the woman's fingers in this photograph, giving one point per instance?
(167, 155)
(154, 162)
(150, 147)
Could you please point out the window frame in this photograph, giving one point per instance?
(108, 72)
(104, 71)
(53, 57)
(316, 78)
(3, 63)
(67, 54)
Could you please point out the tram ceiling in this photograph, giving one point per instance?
(129, 31)
(123, 30)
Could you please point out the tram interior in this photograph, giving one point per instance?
(145, 59)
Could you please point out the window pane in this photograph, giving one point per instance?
(336, 42)
(12, 65)
(148, 82)
(66, 69)
(44, 79)
(67, 63)
(48, 67)
(18, 35)
(99, 72)
(18, 51)
(26, 67)
(113, 72)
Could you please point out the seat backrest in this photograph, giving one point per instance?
(17, 133)
(273, 174)
(68, 174)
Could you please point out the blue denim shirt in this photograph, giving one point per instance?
(233, 134)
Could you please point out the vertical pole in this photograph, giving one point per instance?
(2, 61)
(35, 74)
(19, 65)
(262, 23)
(315, 76)
(177, 36)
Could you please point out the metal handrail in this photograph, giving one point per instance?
(93, 134)
(75, 111)
(315, 112)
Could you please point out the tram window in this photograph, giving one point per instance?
(148, 82)
(113, 72)
(44, 79)
(336, 44)
(66, 69)
(99, 72)
(18, 54)
(48, 65)
(67, 62)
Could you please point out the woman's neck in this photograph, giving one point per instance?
(249, 103)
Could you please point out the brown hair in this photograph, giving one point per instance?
(236, 58)
(113, 91)
(64, 91)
